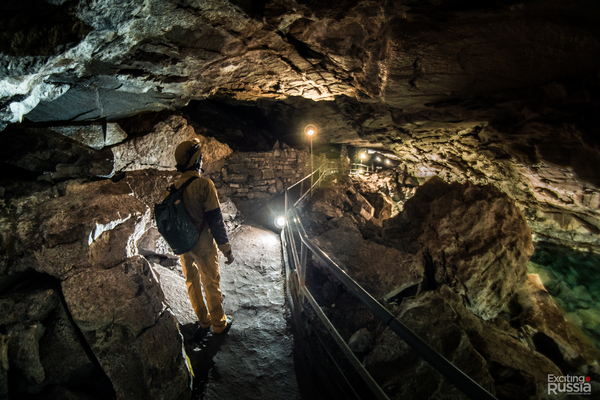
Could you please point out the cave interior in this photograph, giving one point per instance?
(476, 123)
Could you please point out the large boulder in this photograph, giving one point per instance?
(71, 226)
(156, 149)
(550, 332)
(382, 271)
(494, 358)
(176, 295)
(472, 238)
(42, 348)
(87, 235)
(122, 316)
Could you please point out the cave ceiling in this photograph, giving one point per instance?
(503, 92)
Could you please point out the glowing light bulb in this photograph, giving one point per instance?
(387, 161)
(310, 130)
(363, 156)
(280, 221)
(378, 159)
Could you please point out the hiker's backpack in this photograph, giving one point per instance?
(173, 221)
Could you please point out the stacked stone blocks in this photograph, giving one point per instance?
(259, 175)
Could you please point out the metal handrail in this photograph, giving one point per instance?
(462, 381)
(323, 170)
(357, 167)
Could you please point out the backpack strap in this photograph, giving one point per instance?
(186, 183)
(172, 189)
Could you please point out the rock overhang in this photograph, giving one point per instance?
(500, 93)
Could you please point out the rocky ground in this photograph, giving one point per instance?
(452, 266)
(254, 359)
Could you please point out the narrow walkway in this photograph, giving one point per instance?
(256, 360)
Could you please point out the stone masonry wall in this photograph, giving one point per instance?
(259, 175)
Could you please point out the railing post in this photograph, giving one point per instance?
(302, 269)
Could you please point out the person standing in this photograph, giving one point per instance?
(201, 264)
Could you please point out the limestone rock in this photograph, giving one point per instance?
(152, 243)
(114, 134)
(124, 295)
(4, 340)
(121, 315)
(157, 148)
(73, 226)
(24, 353)
(176, 295)
(88, 135)
(472, 238)
(491, 356)
(435, 83)
(62, 354)
(382, 271)
(45, 348)
(552, 334)
(52, 156)
(360, 341)
(95, 136)
(392, 361)
(27, 306)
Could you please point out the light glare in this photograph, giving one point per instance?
(280, 221)
(310, 130)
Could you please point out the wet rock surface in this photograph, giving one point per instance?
(571, 278)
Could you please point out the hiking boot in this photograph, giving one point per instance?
(227, 327)
(200, 333)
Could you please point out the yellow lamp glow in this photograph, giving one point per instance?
(310, 130)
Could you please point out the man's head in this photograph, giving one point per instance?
(188, 155)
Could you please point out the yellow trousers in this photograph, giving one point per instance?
(201, 269)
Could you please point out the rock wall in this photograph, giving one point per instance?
(452, 267)
(85, 235)
(500, 94)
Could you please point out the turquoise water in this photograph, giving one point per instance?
(573, 280)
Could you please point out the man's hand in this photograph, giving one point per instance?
(229, 259)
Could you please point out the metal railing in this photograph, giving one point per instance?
(296, 263)
(305, 186)
(358, 168)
